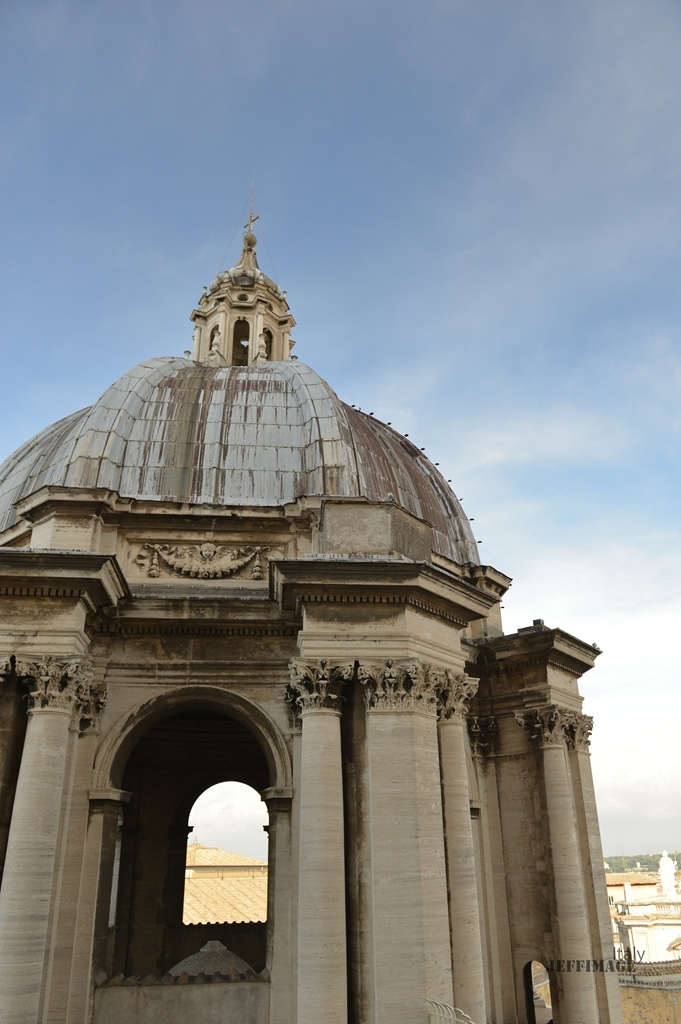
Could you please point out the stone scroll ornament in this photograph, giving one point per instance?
(202, 561)
(402, 687)
(316, 686)
(553, 724)
(62, 684)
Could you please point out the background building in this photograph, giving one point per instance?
(223, 887)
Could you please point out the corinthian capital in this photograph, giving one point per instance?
(314, 687)
(581, 732)
(403, 687)
(50, 683)
(553, 724)
(63, 684)
(481, 732)
(89, 703)
(456, 692)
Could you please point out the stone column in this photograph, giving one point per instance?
(258, 326)
(553, 727)
(279, 903)
(197, 354)
(55, 692)
(322, 956)
(607, 985)
(464, 913)
(408, 955)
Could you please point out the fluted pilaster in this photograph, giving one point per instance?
(556, 730)
(315, 692)
(60, 694)
(464, 911)
(408, 944)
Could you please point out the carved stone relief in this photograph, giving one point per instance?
(481, 732)
(581, 732)
(405, 687)
(553, 724)
(203, 561)
(61, 684)
(314, 687)
(456, 693)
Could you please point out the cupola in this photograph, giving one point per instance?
(243, 319)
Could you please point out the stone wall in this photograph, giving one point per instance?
(245, 1002)
(650, 1005)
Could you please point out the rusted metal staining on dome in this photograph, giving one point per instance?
(177, 431)
(389, 463)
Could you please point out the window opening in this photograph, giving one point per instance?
(537, 993)
(226, 866)
(240, 346)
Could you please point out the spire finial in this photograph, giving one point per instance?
(250, 241)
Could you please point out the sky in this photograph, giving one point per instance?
(475, 208)
(230, 816)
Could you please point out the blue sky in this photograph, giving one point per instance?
(475, 209)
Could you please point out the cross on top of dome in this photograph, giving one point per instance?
(250, 239)
(243, 319)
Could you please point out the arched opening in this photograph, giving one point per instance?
(240, 340)
(178, 758)
(13, 721)
(267, 335)
(537, 993)
(226, 872)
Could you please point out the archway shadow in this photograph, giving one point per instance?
(172, 757)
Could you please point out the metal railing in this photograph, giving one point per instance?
(440, 1012)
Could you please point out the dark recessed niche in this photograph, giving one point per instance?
(243, 297)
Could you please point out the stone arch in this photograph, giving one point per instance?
(535, 1013)
(125, 734)
(241, 334)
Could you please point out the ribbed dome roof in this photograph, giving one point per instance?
(175, 430)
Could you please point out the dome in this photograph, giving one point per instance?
(173, 430)
(211, 959)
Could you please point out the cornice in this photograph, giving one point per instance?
(331, 597)
(99, 500)
(377, 581)
(486, 577)
(535, 646)
(128, 627)
(95, 500)
(95, 578)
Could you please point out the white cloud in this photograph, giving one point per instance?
(623, 595)
(560, 433)
(231, 816)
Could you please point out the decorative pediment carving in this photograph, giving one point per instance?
(316, 686)
(553, 724)
(401, 687)
(203, 561)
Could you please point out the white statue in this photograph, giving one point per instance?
(261, 354)
(214, 357)
(667, 874)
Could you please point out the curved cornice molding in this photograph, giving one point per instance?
(123, 736)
